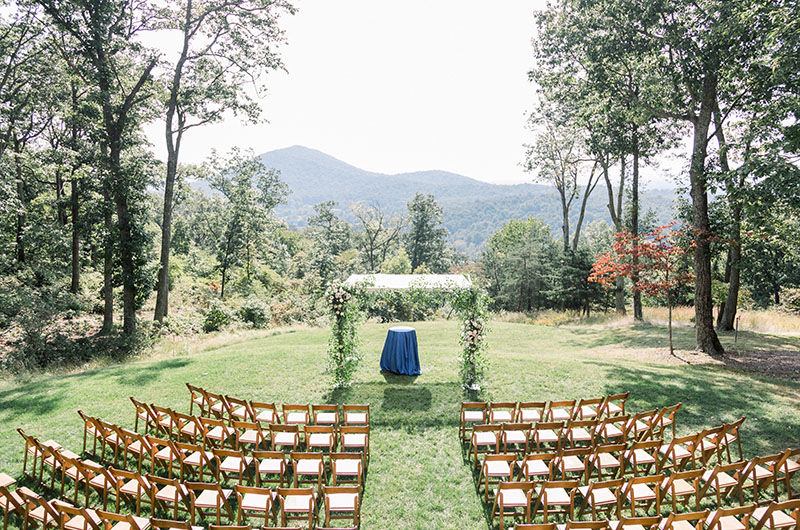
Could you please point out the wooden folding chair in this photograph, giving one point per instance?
(36, 450)
(78, 518)
(10, 500)
(732, 437)
(757, 478)
(168, 495)
(683, 521)
(535, 526)
(144, 413)
(321, 437)
(284, 437)
(502, 411)
(196, 398)
(472, 413)
(774, 516)
(515, 437)
(347, 467)
(209, 498)
(249, 436)
(166, 421)
(635, 523)
(216, 406)
(708, 444)
(580, 432)
(39, 509)
(614, 405)
(297, 504)
(485, 439)
(308, 465)
(91, 429)
(640, 426)
(679, 452)
(356, 414)
(132, 488)
(643, 454)
(790, 466)
(530, 411)
(563, 410)
(510, 497)
(601, 496)
(356, 437)
(588, 409)
(265, 412)
(55, 460)
(166, 524)
(194, 461)
(548, 433)
(139, 446)
(585, 525)
(326, 415)
(495, 469)
(536, 467)
(664, 420)
(643, 489)
(253, 500)
(189, 428)
(116, 521)
(296, 414)
(342, 502)
(162, 452)
(737, 518)
(65, 462)
(720, 480)
(217, 433)
(572, 461)
(100, 480)
(556, 493)
(610, 457)
(229, 463)
(680, 486)
(238, 409)
(611, 429)
(270, 463)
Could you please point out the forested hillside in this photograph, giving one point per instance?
(473, 210)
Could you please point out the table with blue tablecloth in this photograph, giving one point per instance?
(400, 353)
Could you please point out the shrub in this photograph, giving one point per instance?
(254, 312)
(216, 318)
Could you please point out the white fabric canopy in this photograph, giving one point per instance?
(379, 282)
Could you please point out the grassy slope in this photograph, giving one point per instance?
(417, 476)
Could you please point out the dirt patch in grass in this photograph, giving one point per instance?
(782, 364)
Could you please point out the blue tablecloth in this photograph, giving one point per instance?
(400, 351)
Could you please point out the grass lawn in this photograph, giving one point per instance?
(417, 476)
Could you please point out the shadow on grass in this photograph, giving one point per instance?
(398, 379)
(711, 395)
(140, 375)
(406, 398)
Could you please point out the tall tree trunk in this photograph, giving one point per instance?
(727, 314)
(637, 295)
(173, 138)
(61, 207)
(126, 244)
(590, 185)
(108, 259)
(706, 337)
(615, 209)
(76, 266)
(564, 221)
(21, 196)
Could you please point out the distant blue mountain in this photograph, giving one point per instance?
(473, 210)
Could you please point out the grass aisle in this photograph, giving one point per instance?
(417, 477)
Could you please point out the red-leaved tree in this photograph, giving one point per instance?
(659, 255)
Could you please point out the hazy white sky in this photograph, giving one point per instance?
(395, 87)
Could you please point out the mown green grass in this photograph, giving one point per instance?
(417, 476)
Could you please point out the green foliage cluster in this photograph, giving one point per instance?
(343, 345)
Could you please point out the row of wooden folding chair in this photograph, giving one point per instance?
(200, 499)
(533, 411)
(224, 406)
(776, 515)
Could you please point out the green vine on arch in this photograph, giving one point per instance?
(472, 307)
(343, 345)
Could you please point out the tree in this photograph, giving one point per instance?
(378, 233)
(557, 156)
(330, 237)
(659, 255)
(102, 35)
(236, 220)
(225, 46)
(426, 238)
